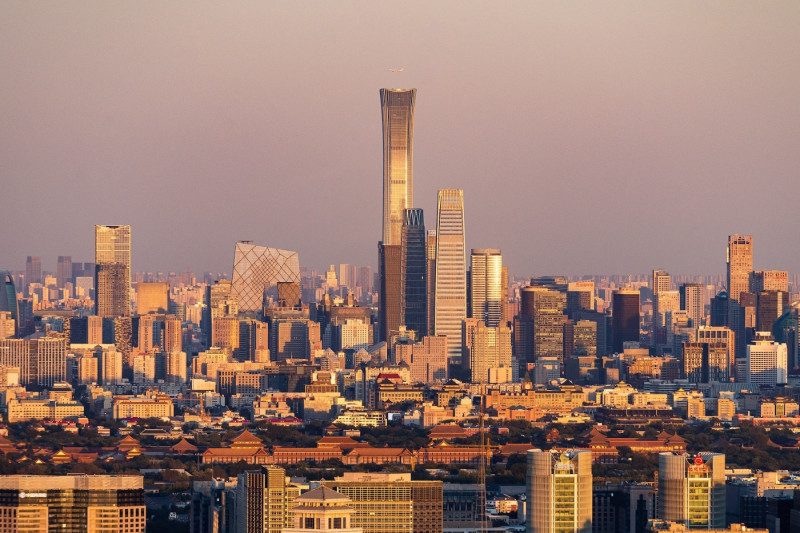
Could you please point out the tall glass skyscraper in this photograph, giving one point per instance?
(450, 291)
(397, 106)
(414, 288)
(112, 259)
(486, 285)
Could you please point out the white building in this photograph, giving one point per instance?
(767, 363)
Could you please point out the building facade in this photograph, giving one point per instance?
(559, 492)
(112, 259)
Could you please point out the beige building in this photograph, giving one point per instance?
(265, 501)
(153, 406)
(322, 509)
(692, 490)
(485, 348)
(391, 503)
(93, 504)
(22, 410)
(426, 360)
(559, 492)
(152, 298)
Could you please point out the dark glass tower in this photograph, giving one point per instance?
(8, 296)
(414, 304)
(625, 321)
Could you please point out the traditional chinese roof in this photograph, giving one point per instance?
(447, 431)
(128, 443)
(345, 443)
(378, 451)
(183, 446)
(245, 439)
(234, 452)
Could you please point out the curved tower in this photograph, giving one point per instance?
(397, 106)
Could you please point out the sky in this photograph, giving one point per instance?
(588, 137)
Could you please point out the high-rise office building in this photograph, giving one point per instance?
(253, 340)
(770, 306)
(580, 297)
(77, 502)
(8, 297)
(725, 337)
(112, 258)
(693, 301)
(486, 352)
(430, 253)
(397, 110)
(625, 319)
(219, 302)
(486, 285)
(258, 268)
(662, 282)
(665, 302)
(540, 324)
(704, 362)
(769, 280)
(740, 265)
(152, 298)
(767, 362)
(264, 501)
(691, 491)
(63, 270)
(426, 360)
(390, 272)
(559, 492)
(450, 307)
(414, 266)
(33, 270)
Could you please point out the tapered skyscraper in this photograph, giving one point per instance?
(450, 290)
(112, 259)
(397, 110)
(397, 106)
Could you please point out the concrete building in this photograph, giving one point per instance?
(693, 301)
(426, 360)
(485, 349)
(559, 492)
(93, 504)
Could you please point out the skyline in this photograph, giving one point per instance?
(615, 115)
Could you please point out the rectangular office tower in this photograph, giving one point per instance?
(450, 289)
(414, 263)
(559, 490)
(740, 265)
(91, 504)
(486, 285)
(397, 109)
(112, 280)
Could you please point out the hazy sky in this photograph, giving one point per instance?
(589, 137)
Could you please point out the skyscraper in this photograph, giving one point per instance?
(625, 319)
(258, 268)
(112, 258)
(662, 281)
(389, 291)
(33, 270)
(264, 501)
(486, 285)
(397, 107)
(559, 491)
(8, 296)
(414, 286)
(693, 301)
(540, 325)
(740, 264)
(63, 270)
(450, 306)
(691, 491)
(152, 298)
